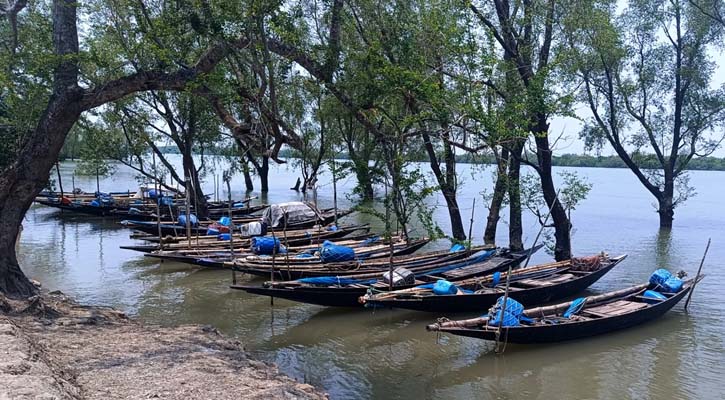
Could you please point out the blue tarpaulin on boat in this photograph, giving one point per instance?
(442, 287)
(336, 280)
(330, 252)
(265, 245)
(192, 219)
(506, 316)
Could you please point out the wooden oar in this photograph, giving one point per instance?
(687, 302)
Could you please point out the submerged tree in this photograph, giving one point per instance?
(525, 34)
(647, 81)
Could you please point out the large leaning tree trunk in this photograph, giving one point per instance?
(24, 178)
(28, 174)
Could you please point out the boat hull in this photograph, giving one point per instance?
(450, 304)
(572, 331)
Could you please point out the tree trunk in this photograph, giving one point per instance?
(199, 201)
(27, 176)
(514, 188)
(248, 183)
(263, 172)
(562, 248)
(455, 214)
(362, 173)
(499, 192)
(22, 180)
(446, 185)
(12, 280)
(665, 208)
(364, 184)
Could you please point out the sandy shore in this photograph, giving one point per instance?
(53, 348)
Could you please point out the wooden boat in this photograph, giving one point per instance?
(218, 258)
(373, 266)
(326, 217)
(347, 290)
(282, 263)
(600, 314)
(211, 242)
(529, 286)
(136, 209)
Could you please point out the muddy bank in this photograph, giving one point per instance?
(53, 348)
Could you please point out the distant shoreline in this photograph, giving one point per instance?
(646, 161)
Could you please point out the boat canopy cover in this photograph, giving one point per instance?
(295, 212)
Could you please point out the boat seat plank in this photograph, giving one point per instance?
(544, 282)
(616, 308)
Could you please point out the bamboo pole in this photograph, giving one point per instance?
(334, 188)
(60, 184)
(231, 233)
(508, 276)
(188, 211)
(697, 277)
(470, 226)
(158, 205)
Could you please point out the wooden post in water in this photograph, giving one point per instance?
(274, 254)
(231, 233)
(390, 239)
(188, 212)
(158, 202)
(334, 188)
(286, 243)
(470, 226)
(98, 182)
(60, 181)
(196, 212)
(697, 277)
(508, 275)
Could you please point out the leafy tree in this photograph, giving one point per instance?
(647, 81)
(525, 35)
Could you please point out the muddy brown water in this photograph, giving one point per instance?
(388, 354)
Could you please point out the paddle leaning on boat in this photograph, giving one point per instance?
(509, 321)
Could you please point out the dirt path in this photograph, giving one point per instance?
(53, 348)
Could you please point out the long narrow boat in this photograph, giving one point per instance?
(529, 286)
(174, 229)
(600, 314)
(338, 291)
(282, 264)
(294, 238)
(375, 266)
(140, 210)
(218, 258)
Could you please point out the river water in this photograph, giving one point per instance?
(388, 354)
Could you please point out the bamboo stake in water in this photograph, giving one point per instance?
(231, 234)
(470, 226)
(188, 213)
(274, 254)
(334, 188)
(60, 184)
(286, 243)
(158, 199)
(508, 275)
(697, 277)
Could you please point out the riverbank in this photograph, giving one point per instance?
(54, 348)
